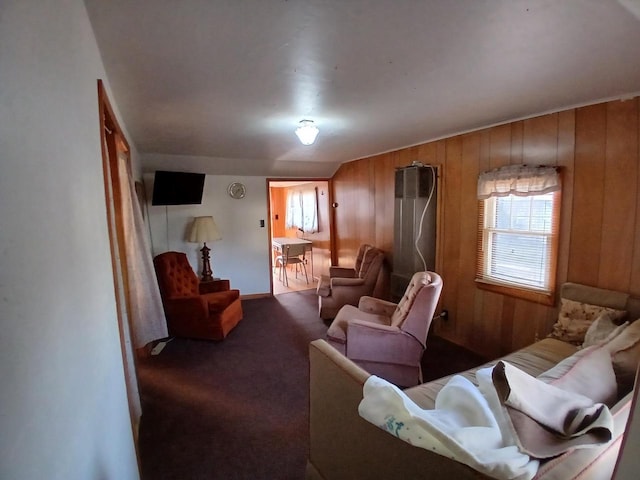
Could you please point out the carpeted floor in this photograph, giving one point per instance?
(238, 409)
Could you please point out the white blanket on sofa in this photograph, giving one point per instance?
(468, 424)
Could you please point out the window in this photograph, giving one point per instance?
(302, 210)
(518, 231)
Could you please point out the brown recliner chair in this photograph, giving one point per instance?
(207, 310)
(388, 339)
(335, 291)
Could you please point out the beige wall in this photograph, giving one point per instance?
(64, 411)
(597, 148)
(242, 254)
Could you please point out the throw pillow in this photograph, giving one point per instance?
(588, 372)
(603, 329)
(575, 318)
(625, 355)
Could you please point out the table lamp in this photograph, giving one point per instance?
(204, 229)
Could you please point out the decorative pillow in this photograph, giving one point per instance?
(625, 355)
(575, 318)
(588, 372)
(603, 329)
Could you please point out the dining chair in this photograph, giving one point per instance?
(292, 254)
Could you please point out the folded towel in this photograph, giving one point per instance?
(462, 427)
(500, 428)
(547, 420)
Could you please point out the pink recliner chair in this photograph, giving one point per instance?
(388, 339)
(345, 286)
(350, 272)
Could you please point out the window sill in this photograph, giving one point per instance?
(537, 296)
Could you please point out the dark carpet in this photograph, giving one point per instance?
(238, 409)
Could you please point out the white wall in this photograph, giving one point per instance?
(63, 405)
(242, 255)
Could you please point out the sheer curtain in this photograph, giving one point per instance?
(302, 210)
(147, 316)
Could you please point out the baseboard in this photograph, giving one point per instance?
(255, 295)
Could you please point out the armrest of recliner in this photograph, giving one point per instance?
(214, 286)
(333, 287)
(343, 272)
(346, 282)
(376, 306)
(380, 343)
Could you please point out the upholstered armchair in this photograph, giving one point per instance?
(207, 310)
(388, 339)
(350, 272)
(336, 291)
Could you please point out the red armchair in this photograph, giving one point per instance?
(208, 310)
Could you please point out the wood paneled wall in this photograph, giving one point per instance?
(596, 146)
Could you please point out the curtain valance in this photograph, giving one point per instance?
(521, 180)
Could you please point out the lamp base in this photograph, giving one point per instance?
(207, 273)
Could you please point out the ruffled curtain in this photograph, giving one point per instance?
(520, 180)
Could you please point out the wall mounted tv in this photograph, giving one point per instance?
(177, 188)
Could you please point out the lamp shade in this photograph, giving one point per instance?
(204, 229)
(307, 132)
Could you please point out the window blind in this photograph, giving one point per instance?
(518, 233)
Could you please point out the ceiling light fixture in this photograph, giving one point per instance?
(307, 132)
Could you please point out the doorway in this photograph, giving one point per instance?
(293, 204)
(114, 145)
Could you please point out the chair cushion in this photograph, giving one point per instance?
(218, 301)
(410, 294)
(602, 330)
(176, 278)
(588, 372)
(369, 255)
(360, 255)
(625, 355)
(575, 318)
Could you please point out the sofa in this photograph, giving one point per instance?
(345, 446)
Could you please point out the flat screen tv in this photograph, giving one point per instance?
(177, 188)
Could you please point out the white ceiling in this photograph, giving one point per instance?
(219, 86)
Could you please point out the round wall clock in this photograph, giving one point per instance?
(236, 190)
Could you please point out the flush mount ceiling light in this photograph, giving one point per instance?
(307, 132)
